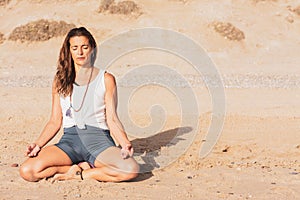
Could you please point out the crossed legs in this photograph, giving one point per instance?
(52, 161)
(111, 167)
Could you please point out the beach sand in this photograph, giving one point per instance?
(257, 155)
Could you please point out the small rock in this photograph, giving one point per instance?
(189, 177)
(289, 18)
(296, 10)
(14, 165)
(294, 173)
(78, 195)
(225, 149)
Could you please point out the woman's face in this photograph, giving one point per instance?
(80, 49)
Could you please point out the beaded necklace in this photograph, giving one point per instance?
(68, 112)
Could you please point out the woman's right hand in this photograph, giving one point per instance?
(32, 150)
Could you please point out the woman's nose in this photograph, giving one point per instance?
(80, 52)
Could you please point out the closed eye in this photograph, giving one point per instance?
(74, 48)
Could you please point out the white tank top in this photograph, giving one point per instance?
(92, 112)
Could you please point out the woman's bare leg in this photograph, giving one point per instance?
(49, 161)
(109, 167)
(74, 172)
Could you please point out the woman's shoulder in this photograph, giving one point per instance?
(109, 79)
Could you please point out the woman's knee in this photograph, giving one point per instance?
(27, 172)
(130, 171)
(30, 169)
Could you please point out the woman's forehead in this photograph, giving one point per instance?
(79, 40)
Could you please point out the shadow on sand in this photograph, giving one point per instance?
(149, 148)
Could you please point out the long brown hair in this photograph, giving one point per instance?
(65, 75)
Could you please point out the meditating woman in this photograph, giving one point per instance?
(84, 102)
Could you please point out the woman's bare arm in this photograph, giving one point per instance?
(51, 128)
(113, 122)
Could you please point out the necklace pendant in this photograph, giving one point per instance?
(68, 112)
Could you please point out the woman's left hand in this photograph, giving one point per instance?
(127, 151)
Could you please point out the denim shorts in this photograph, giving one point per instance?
(84, 145)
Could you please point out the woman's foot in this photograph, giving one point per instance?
(84, 165)
(75, 172)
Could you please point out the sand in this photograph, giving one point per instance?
(257, 155)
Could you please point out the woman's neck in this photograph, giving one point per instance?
(82, 69)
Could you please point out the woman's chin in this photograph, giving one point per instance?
(82, 64)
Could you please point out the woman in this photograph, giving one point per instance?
(84, 100)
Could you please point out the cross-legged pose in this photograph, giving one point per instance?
(84, 103)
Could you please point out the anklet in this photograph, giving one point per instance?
(80, 173)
